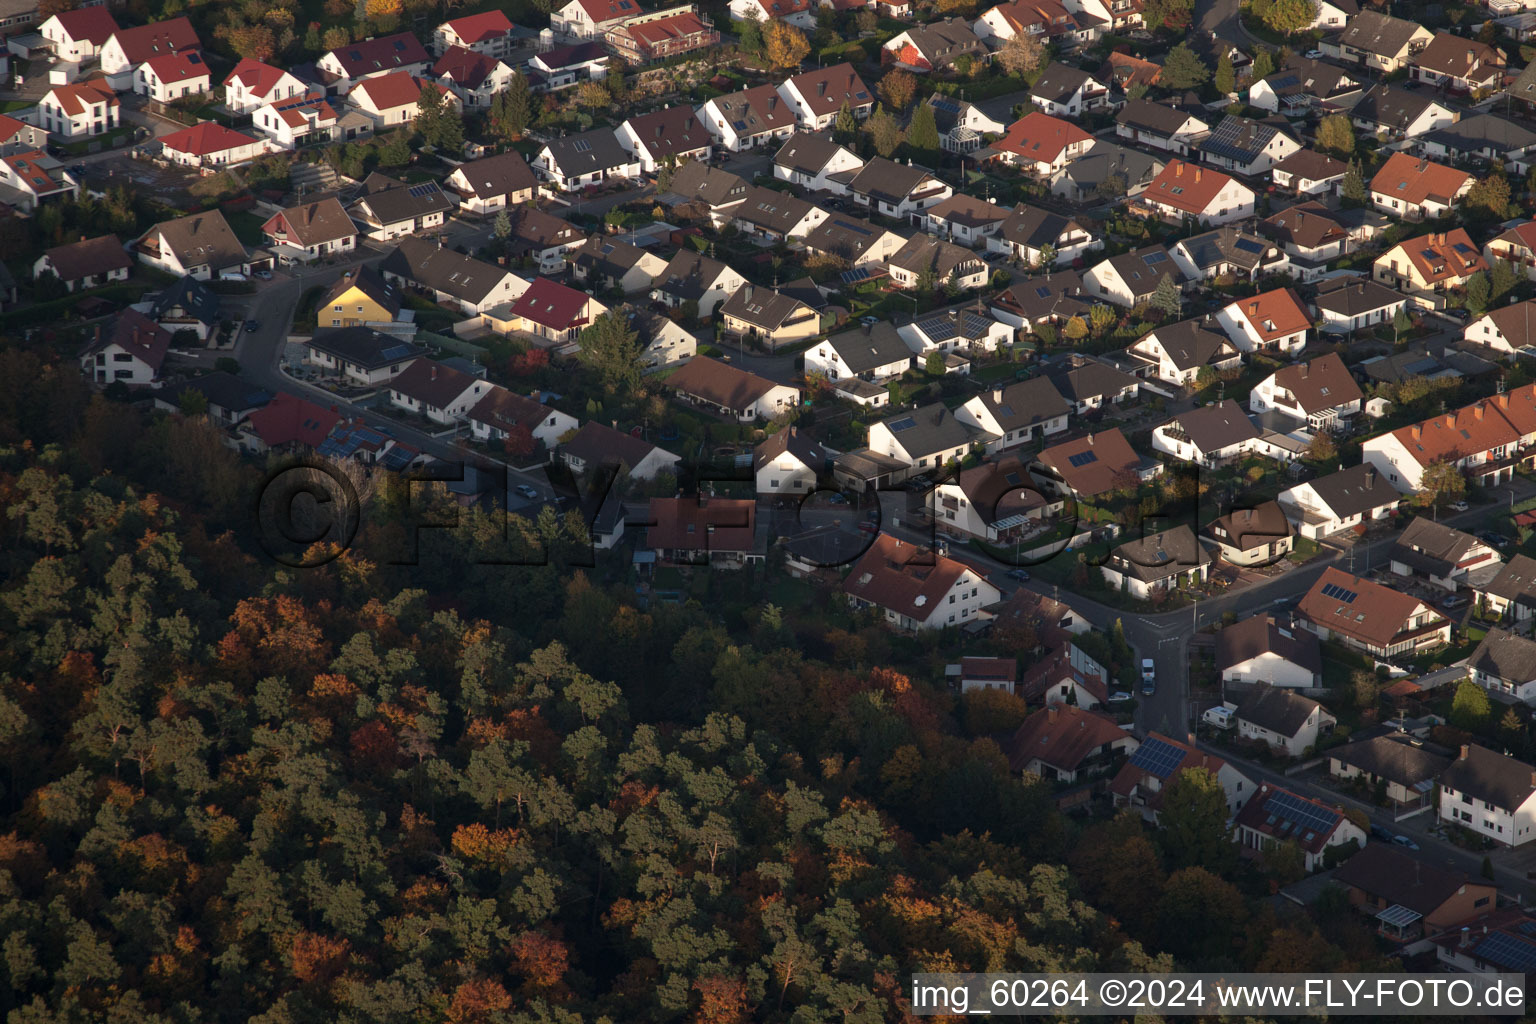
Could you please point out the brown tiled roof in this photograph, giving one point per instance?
(718, 383)
(595, 443)
(1460, 57)
(826, 90)
(502, 175)
(1213, 427)
(1259, 634)
(1061, 736)
(1440, 256)
(1254, 527)
(1277, 313)
(1310, 164)
(431, 382)
(1414, 179)
(88, 256)
(1488, 775)
(1375, 614)
(704, 525)
(313, 223)
(1319, 384)
(1256, 815)
(1112, 457)
(902, 577)
(997, 490)
(1186, 187)
(1276, 709)
(670, 131)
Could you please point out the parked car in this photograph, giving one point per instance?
(527, 492)
(252, 325)
(868, 527)
(265, 275)
(837, 499)
(1148, 676)
(1314, 54)
(1120, 695)
(1405, 841)
(1459, 506)
(1381, 833)
(1454, 602)
(869, 321)
(1498, 540)
(1022, 575)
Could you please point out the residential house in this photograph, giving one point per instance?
(346, 66)
(18, 136)
(697, 185)
(1319, 394)
(817, 96)
(1055, 679)
(1245, 146)
(669, 135)
(1378, 42)
(1157, 563)
(936, 46)
(1307, 172)
(1442, 555)
(899, 191)
(753, 117)
(393, 99)
(1209, 435)
(1301, 86)
(88, 263)
(287, 423)
(390, 209)
(79, 110)
(792, 12)
(929, 437)
(769, 317)
(1177, 352)
(789, 463)
(1272, 321)
(963, 126)
(1126, 70)
(956, 329)
(693, 277)
(1512, 591)
(1037, 237)
(1477, 439)
(1286, 722)
(493, 418)
(361, 356)
(816, 163)
(1066, 91)
(586, 159)
(1389, 111)
(359, 297)
(1409, 898)
(776, 216)
(1091, 465)
(942, 262)
(1491, 794)
(587, 19)
(1425, 268)
(1260, 649)
(1308, 233)
(1459, 64)
(229, 400)
(451, 277)
(1505, 663)
(1040, 144)
(1348, 304)
(1334, 14)
(131, 350)
(603, 262)
(78, 35)
(978, 673)
(440, 393)
(210, 146)
(1051, 298)
(187, 305)
(305, 120)
(311, 231)
(1106, 169)
(173, 76)
(594, 445)
(1089, 384)
(493, 183)
(1399, 765)
(1187, 191)
(201, 245)
(720, 532)
(1483, 138)
(1050, 21)
(1064, 743)
(1131, 278)
(126, 52)
(1339, 501)
(542, 238)
(1371, 617)
(1260, 535)
(1144, 779)
(1277, 815)
(994, 501)
(472, 77)
(1160, 126)
(490, 32)
(1016, 413)
(1517, 244)
(873, 352)
(550, 310)
(917, 588)
(252, 85)
(1413, 188)
(1229, 250)
(661, 35)
(746, 396)
(964, 220)
(565, 67)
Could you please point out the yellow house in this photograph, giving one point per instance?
(1427, 267)
(360, 297)
(769, 316)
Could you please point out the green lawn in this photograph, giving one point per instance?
(246, 226)
(97, 143)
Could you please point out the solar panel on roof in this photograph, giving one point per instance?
(1302, 814)
(1154, 258)
(855, 275)
(1082, 459)
(905, 423)
(1339, 593)
(1506, 951)
(1249, 245)
(1043, 292)
(425, 189)
(395, 352)
(1158, 757)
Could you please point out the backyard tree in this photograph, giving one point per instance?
(512, 109)
(897, 89)
(1478, 293)
(1226, 76)
(933, 365)
(1021, 54)
(1490, 194)
(396, 152)
(1502, 278)
(923, 133)
(1167, 299)
(884, 131)
(1263, 63)
(519, 441)
(1353, 185)
(611, 348)
(784, 45)
(846, 126)
(1470, 709)
(502, 226)
(1171, 14)
(1286, 17)
(1402, 323)
(749, 35)
(1194, 820)
(1076, 329)
(1322, 448)
(1183, 69)
(1101, 317)
(1336, 135)
(1441, 484)
(429, 113)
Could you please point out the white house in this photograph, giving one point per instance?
(1276, 816)
(1319, 394)
(131, 351)
(789, 463)
(209, 145)
(1207, 436)
(929, 437)
(1491, 794)
(1017, 413)
(79, 110)
(917, 589)
(1177, 352)
(1505, 663)
(1272, 321)
(873, 352)
(1478, 439)
(129, 48)
(499, 411)
(816, 163)
(252, 85)
(490, 32)
(173, 76)
(438, 392)
(1185, 190)
(669, 135)
(1286, 722)
(392, 100)
(817, 96)
(1505, 328)
(78, 35)
(748, 119)
(1258, 649)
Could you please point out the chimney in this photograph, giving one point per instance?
(1178, 170)
(1417, 430)
(1370, 477)
(1090, 440)
(1304, 370)
(1466, 936)
(434, 372)
(1466, 750)
(1198, 172)
(1478, 412)
(997, 394)
(1504, 401)
(1253, 307)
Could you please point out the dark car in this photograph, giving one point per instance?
(1022, 575)
(1498, 540)
(253, 325)
(1381, 832)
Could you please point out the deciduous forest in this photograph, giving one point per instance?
(453, 791)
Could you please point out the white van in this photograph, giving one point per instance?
(232, 275)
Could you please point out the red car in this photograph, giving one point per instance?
(869, 527)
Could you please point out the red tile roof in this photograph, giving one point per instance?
(1061, 736)
(552, 305)
(479, 27)
(178, 67)
(93, 24)
(1186, 187)
(663, 30)
(1453, 436)
(1039, 136)
(205, 139)
(468, 68)
(610, 10)
(1275, 314)
(258, 78)
(703, 525)
(826, 90)
(1413, 179)
(1440, 256)
(1374, 614)
(398, 89)
(78, 97)
(145, 42)
(903, 577)
(287, 419)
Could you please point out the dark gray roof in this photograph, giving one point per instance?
(1351, 296)
(190, 295)
(924, 252)
(928, 431)
(690, 274)
(588, 152)
(364, 346)
(1391, 107)
(1190, 345)
(1213, 427)
(1024, 403)
(868, 346)
(888, 180)
(1276, 709)
(1505, 656)
(1304, 76)
(1157, 118)
(1091, 379)
(1377, 33)
(1142, 269)
(1033, 227)
(1240, 139)
(1395, 759)
(1105, 158)
(1488, 775)
(696, 181)
(444, 270)
(806, 152)
(607, 256)
(1260, 634)
(763, 308)
(943, 42)
(1160, 555)
(224, 390)
(393, 201)
(1228, 244)
(1058, 293)
(1059, 82)
(1432, 547)
(1482, 131)
(1354, 491)
(772, 210)
(501, 175)
(1516, 581)
(848, 237)
(811, 452)
(1396, 877)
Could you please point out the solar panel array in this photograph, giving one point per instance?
(1507, 951)
(1339, 593)
(424, 189)
(1152, 259)
(1303, 815)
(905, 423)
(1249, 245)
(1234, 140)
(1082, 459)
(1158, 757)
